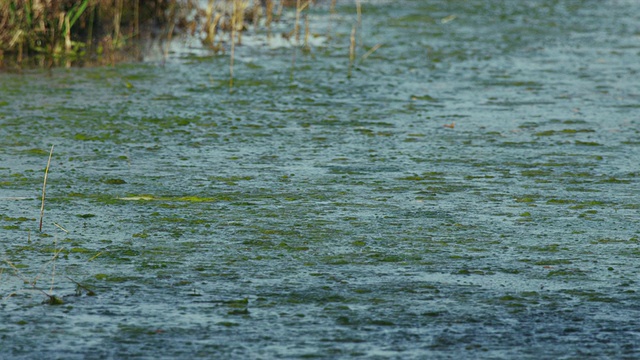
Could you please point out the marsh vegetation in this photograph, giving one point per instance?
(66, 32)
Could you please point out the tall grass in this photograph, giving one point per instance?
(76, 29)
(63, 32)
(56, 32)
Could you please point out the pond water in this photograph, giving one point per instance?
(467, 189)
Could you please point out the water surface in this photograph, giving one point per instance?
(469, 189)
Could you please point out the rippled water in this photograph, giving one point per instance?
(469, 189)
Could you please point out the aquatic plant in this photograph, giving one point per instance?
(44, 188)
(52, 299)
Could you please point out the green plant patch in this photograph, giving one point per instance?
(115, 278)
(17, 219)
(531, 173)
(547, 248)
(86, 216)
(114, 181)
(587, 143)
(550, 262)
(613, 180)
(560, 201)
(633, 240)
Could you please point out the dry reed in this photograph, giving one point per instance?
(371, 51)
(352, 49)
(52, 299)
(233, 44)
(44, 188)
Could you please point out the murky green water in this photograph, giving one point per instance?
(314, 215)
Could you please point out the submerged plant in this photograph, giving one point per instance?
(51, 298)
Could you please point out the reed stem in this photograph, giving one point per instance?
(352, 49)
(233, 44)
(44, 188)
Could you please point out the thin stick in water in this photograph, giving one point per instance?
(172, 24)
(307, 47)
(371, 51)
(296, 28)
(352, 48)
(44, 187)
(233, 43)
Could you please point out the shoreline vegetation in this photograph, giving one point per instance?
(51, 33)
